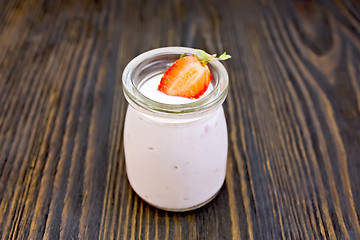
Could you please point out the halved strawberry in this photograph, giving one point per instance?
(189, 76)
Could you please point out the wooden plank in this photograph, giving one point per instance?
(293, 114)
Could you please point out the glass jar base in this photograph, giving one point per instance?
(183, 209)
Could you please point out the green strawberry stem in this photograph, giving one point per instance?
(204, 58)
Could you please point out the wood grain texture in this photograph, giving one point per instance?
(293, 114)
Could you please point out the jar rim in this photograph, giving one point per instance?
(212, 100)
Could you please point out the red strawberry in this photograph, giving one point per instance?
(189, 76)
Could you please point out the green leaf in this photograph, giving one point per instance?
(184, 54)
(203, 54)
(204, 57)
(223, 57)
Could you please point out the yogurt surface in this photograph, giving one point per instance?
(149, 89)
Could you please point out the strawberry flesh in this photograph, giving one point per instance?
(186, 77)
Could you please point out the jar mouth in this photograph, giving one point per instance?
(157, 61)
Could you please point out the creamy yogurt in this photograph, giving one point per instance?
(175, 165)
(149, 89)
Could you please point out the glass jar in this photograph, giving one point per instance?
(175, 154)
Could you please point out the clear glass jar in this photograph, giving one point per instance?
(175, 153)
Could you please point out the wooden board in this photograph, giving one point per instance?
(293, 114)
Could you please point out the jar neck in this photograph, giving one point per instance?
(170, 120)
(157, 61)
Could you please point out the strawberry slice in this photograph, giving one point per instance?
(186, 77)
(189, 76)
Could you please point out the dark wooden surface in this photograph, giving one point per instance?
(293, 115)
